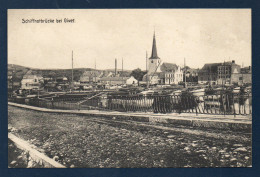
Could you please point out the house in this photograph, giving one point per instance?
(190, 75)
(31, 80)
(220, 73)
(173, 73)
(113, 80)
(119, 80)
(131, 81)
(208, 73)
(228, 72)
(191, 72)
(152, 79)
(15, 75)
(244, 77)
(13, 83)
(91, 76)
(10, 80)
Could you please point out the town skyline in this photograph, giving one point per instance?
(100, 36)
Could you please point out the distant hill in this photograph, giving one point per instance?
(19, 71)
(112, 70)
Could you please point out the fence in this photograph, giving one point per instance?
(44, 103)
(225, 104)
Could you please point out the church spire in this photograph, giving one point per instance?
(154, 49)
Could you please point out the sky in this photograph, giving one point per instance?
(101, 35)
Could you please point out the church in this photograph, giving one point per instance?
(161, 73)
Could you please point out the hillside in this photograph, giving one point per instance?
(19, 71)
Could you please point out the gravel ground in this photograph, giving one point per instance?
(16, 157)
(79, 141)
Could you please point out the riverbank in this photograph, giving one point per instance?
(98, 142)
(188, 119)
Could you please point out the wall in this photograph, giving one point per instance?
(241, 78)
(153, 64)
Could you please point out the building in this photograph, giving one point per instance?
(191, 75)
(154, 61)
(156, 78)
(118, 81)
(173, 73)
(244, 77)
(131, 81)
(161, 73)
(31, 80)
(91, 76)
(227, 73)
(10, 75)
(191, 72)
(208, 74)
(14, 77)
(153, 75)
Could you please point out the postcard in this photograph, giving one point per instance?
(129, 88)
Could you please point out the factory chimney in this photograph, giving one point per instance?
(115, 67)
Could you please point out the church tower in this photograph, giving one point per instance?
(154, 61)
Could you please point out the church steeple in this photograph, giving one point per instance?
(154, 49)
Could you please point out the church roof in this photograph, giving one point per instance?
(154, 49)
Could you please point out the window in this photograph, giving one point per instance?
(240, 78)
(152, 61)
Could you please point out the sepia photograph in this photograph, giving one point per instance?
(129, 88)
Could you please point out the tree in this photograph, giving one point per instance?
(138, 74)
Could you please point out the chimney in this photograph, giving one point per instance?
(233, 61)
(115, 67)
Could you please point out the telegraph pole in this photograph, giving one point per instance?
(115, 67)
(184, 73)
(122, 71)
(147, 82)
(95, 72)
(72, 84)
(223, 75)
(13, 78)
(242, 73)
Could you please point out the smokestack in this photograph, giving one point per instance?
(115, 67)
